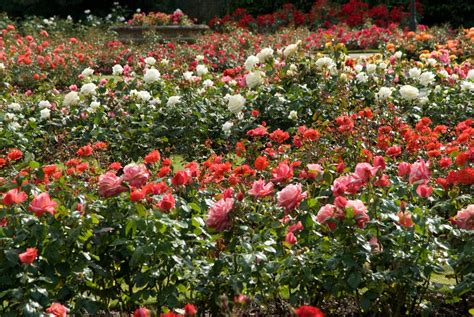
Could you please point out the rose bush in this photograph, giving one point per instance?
(269, 177)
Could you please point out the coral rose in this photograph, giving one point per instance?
(41, 204)
(13, 196)
(29, 256)
(57, 310)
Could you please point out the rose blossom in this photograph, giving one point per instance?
(282, 173)
(364, 171)
(142, 312)
(14, 196)
(360, 212)
(404, 219)
(465, 218)
(41, 204)
(424, 190)
(218, 217)
(135, 174)
(290, 196)
(57, 310)
(325, 214)
(167, 202)
(110, 185)
(419, 172)
(29, 256)
(260, 189)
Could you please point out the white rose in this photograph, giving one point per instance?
(250, 62)
(362, 77)
(14, 126)
(173, 100)
(370, 68)
(143, 95)
(208, 83)
(293, 115)
(201, 70)
(199, 58)
(325, 62)
(150, 61)
(2, 66)
(88, 89)
(151, 75)
(384, 93)
(87, 72)
(398, 54)
(164, 62)
(467, 85)
(470, 74)
(409, 92)
(414, 72)
(188, 76)
(423, 100)
(117, 70)
(290, 50)
(426, 78)
(93, 106)
(382, 65)
(254, 79)
(71, 98)
(45, 113)
(235, 103)
(14, 106)
(265, 54)
(44, 104)
(227, 126)
(431, 61)
(10, 117)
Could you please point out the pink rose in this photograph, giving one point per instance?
(14, 196)
(136, 175)
(260, 189)
(326, 214)
(290, 197)
(403, 169)
(424, 190)
(314, 170)
(365, 171)
(465, 218)
(110, 185)
(360, 212)
(290, 238)
(419, 172)
(41, 204)
(282, 173)
(218, 217)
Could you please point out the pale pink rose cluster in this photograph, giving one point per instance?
(136, 175)
(218, 217)
(329, 214)
(465, 218)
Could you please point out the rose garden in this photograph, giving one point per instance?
(302, 162)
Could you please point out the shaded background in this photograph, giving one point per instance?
(455, 12)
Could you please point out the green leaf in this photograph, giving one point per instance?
(354, 280)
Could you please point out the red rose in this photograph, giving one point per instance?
(309, 311)
(190, 310)
(152, 157)
(14, 155)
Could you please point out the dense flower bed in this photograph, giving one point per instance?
(236, 175)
